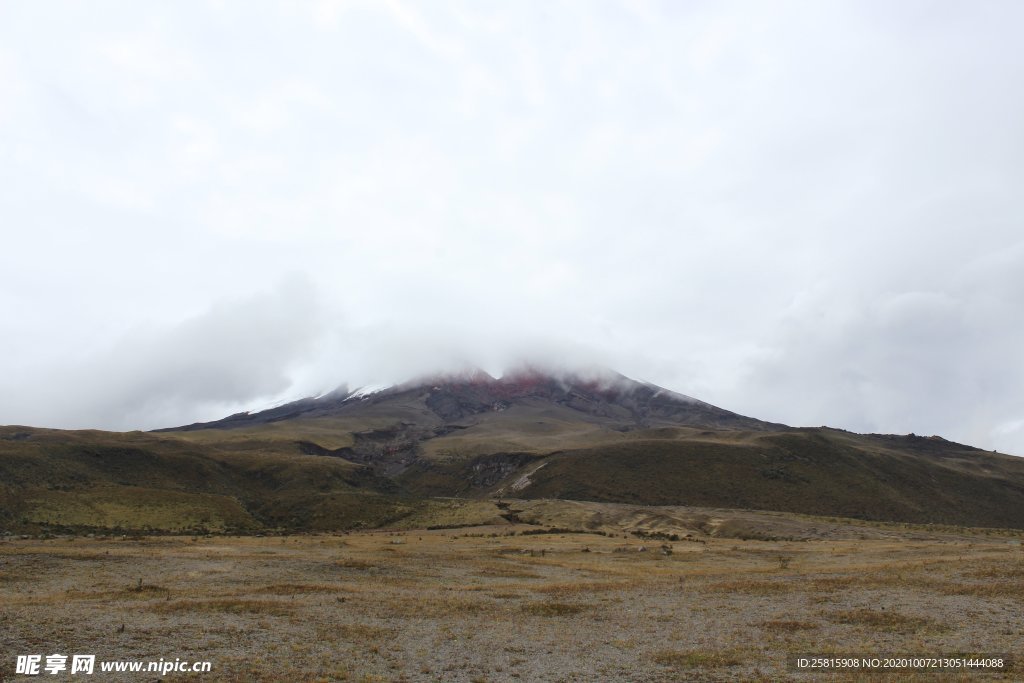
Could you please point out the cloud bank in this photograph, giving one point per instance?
(805, 212)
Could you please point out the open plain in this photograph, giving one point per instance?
(662, 595)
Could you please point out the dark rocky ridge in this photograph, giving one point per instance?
(607, 396)
(448, 403)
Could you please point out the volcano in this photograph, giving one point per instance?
(453, 416)
(371, 455)
(599, 397)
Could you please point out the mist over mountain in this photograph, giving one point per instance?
(596, 394)
(738, 201)
(735, 202)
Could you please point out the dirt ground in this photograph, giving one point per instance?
(493, 604)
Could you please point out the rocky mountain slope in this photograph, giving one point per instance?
(600, 397)
(371, 457)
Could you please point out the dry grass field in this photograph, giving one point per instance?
(504, 602)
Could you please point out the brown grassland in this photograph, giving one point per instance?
(492, 603)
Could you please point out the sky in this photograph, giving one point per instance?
(808, 212)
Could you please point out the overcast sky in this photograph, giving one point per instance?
(808, 212)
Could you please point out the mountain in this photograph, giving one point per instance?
(599, 397)
(458, 417)
(372, 456)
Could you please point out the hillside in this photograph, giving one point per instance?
(361, 458)
(53, 479)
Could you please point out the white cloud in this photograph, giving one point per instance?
(156, 375)
(806, 212)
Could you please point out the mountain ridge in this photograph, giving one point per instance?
(456, 395)
(372, 456)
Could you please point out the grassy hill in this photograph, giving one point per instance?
(82, 479)
(816, 471)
